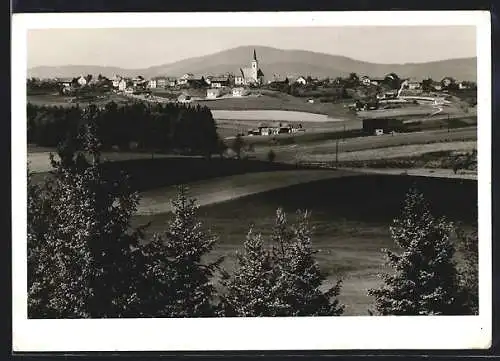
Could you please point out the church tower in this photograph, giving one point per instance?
(255, 66)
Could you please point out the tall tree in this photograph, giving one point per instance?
(284, 280)
(80, 248)
(189, 291)
(469, 271)
(425, 278)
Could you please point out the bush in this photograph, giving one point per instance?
(271, 156)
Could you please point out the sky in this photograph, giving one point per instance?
(141, 48)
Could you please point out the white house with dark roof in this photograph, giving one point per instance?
(301, 80)
(82, 81)
(152, 83)
(65, 82)
(183, 80)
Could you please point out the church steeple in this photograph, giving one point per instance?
(254, 55)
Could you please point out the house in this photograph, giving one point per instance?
(129, 90)
(239, 92)
(65, 82)
(301, 80)
(413, 84)
(213, 93)
(152, 83)
(184, 98)
(252, 75)
(464, 85)
(219, 81)
(278, 79)
(82, 81)
(163, 82)
(171, 82)
(116, 80)
(447, 81)
(183, 80)
(239, 80)
(122, 85)
(376, 81)
(365, 80)
(139, 81)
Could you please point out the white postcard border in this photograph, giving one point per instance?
(308, 333)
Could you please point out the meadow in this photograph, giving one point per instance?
(351, 218)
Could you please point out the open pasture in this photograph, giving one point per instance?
(350, 216)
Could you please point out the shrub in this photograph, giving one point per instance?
(271, 156)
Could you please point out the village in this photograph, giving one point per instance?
(383, 94)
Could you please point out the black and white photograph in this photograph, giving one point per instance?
(226, 178)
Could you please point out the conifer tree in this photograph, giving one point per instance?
(188, 291)
(424, 279)
(469, 271)
(283, 280)
(80, 248)
(254, 288)
(305, 276)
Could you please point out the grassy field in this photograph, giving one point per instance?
(350, 216)
(221, 189)
(65, 101)
(323, 146)
(280, 101)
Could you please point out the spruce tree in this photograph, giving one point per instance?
(80, 245)
(254, 288)
(283, 280)
(469, 271)
(424, 280)
(189, 291)
(305, 276)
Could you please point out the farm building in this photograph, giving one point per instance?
(152, 83)
(301, 80)
(184, 98)
(220, 81)
(116, 80)
(385, 125)
(183, 80)
(65, 82)
(82, 81)
(122, 84)
(213, 93)
(239, 92)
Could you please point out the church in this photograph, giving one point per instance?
(252, 75)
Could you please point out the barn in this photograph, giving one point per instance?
(386, 125)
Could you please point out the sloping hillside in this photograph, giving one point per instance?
(277, 61)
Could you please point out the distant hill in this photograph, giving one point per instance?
(276, 61)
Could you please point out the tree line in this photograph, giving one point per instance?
(159, 127)
(86, 261)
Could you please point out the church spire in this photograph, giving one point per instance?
(254, 55)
